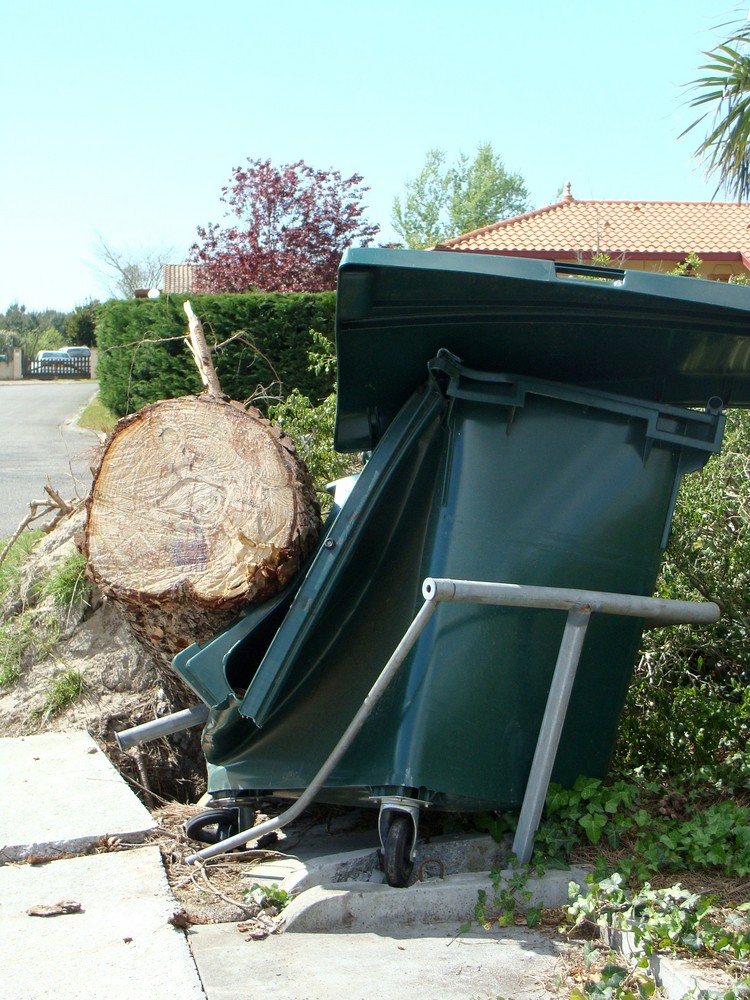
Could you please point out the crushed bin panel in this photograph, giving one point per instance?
(480, 476)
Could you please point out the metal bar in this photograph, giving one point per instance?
(579, 603)
(515, 595)
(549, 733)
(375, 693)
(165, 726)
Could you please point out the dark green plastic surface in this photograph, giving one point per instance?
(655, 337)
(479, 476)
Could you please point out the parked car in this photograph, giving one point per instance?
(51, 356)
(77, 352)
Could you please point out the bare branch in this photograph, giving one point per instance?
(127, 271)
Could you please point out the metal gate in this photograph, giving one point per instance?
(54, 368)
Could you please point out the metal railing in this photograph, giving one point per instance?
(580, 605)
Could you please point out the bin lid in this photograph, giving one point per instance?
(651, 336)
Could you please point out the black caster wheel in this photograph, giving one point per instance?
(213, 825)
(397, 863)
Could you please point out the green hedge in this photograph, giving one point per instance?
(140, 360)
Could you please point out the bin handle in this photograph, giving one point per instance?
(612, 275)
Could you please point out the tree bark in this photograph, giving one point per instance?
(198, 508)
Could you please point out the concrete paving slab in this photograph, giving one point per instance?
(120, 946)
(61, 795)
(352, 938)
(424, 964)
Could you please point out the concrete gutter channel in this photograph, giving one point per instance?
(345, 932)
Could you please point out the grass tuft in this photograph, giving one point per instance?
(12, 565)
(65, 689)
(96, 417)
(66, 582)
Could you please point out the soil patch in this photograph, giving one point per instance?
(75, 665)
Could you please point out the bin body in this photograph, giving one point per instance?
(480, 476)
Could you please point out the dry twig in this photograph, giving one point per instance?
(41, 508)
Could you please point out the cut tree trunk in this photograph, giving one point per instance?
(199, 507)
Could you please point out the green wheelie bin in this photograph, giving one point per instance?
(525, 426)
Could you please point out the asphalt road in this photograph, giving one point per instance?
(39, 444)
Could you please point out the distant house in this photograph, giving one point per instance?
(642, 235)
(179, 279)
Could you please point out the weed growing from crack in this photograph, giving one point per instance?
(508, 904)
(268, 896)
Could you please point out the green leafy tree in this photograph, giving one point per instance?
(80, 325)
(482, 191)
(420, 221)
(32, 331)
(49, 339)
(18, 319)
(723, 96)
(444, 201)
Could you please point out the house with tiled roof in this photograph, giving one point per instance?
(642, 235)
(179, 278)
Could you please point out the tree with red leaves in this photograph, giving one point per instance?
(293, 224)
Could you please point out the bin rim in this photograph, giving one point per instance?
(650, 336)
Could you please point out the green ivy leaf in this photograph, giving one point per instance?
(593, 824)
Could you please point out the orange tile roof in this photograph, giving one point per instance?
(178, 278)
(634, 228)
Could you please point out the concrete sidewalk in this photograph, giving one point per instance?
(120, 945)
(408, 964)
(63, 797)
(356, 939)
(66, 798)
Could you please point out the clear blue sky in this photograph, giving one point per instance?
(125, 120)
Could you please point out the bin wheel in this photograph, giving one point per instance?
(397, 863)
(213, 825)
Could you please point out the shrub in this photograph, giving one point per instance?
(264, 345)
(80, 325)
(689, 701)
(311, 427)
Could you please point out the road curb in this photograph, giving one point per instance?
(367, 906)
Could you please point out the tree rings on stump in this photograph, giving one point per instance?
(198, 508)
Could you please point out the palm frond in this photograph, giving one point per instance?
(725, 88)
